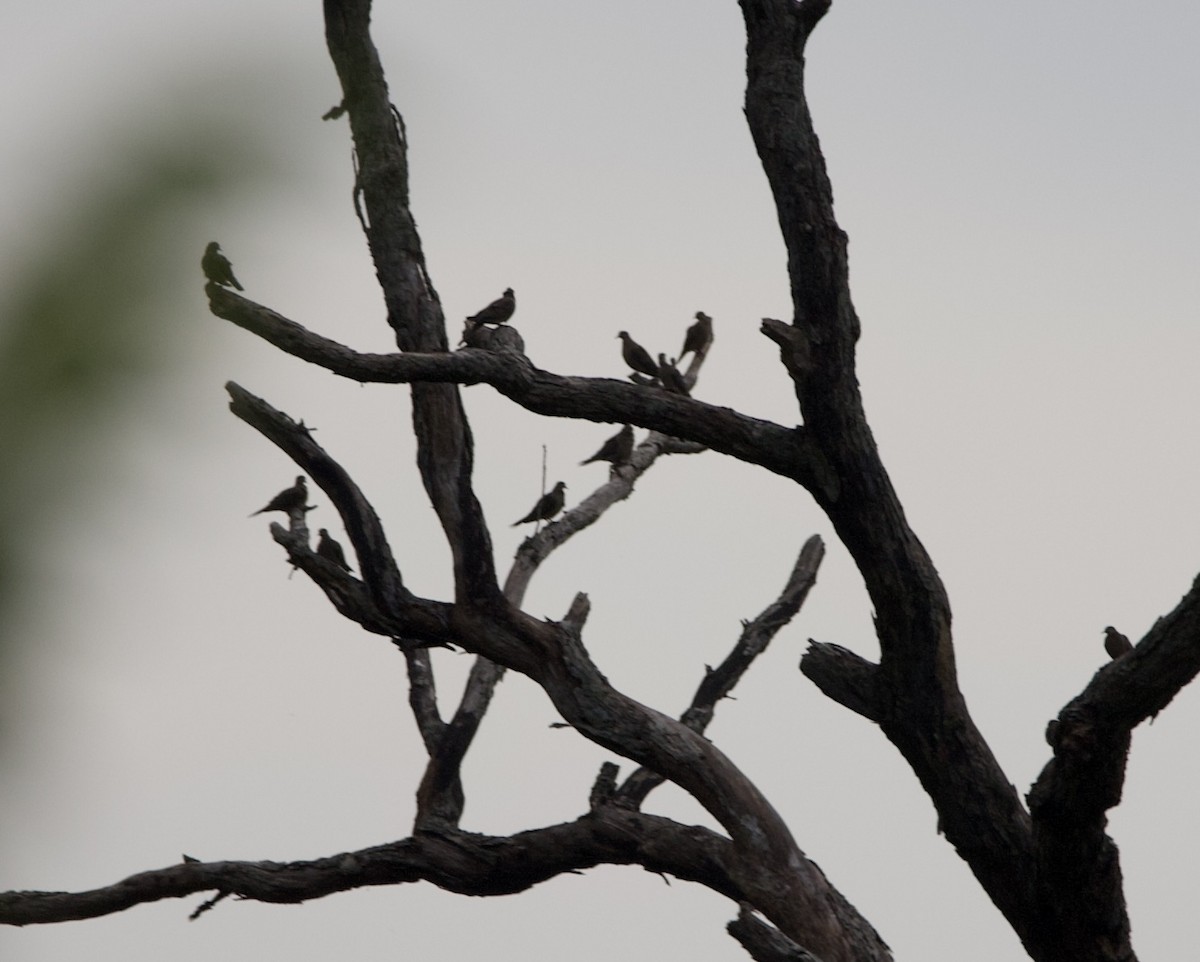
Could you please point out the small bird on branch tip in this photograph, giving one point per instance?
(636, 356)
(1115, 643)
(497, 312)
(616, 450)
(699, 336)
(290, 499)
(670, 377)
(548, 505)
(330, 550)
(217, 268)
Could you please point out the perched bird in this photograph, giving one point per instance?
(288, 500)
(1115, 643)
(497, 312)
(547, 507)
(330, 550)
(217, 268)
(699, 336)
(636, 356)
(670, 377)
(616, 450)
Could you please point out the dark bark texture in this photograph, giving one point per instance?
(1048, 866)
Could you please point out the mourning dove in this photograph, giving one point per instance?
(699, 336)
(289, 500)
(217, 268)
(1115, 643)
(636, 356)
(330, 550)
(548, 506)
(616, 450)
(497, 312)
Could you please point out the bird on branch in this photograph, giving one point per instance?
(1115, 643)
(217, 268)
(670, 377)
(289, 500)
(497, 312)
(699, 336)
(636, 356)
(330, 550)
(548, 505)
(616, 450)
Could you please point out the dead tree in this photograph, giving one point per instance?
(1046, 862)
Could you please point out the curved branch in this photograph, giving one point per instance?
(457, 861)
(784, 451)
(375, 558)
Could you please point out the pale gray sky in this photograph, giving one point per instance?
(1018, 182)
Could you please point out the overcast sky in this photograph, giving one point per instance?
(1018, 183)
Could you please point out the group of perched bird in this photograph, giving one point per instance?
(665, 372)
(617, 450)
(294, 500)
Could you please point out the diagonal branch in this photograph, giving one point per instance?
(444, 445)
(763, 942)
(440, 797)
(719, 682)
(921, 709)
(535, 549)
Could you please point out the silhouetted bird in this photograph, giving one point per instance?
(699, 336)
(1115, 643)
(671, 379)
(217, 267)
(329, 549)
(616, 450)
(547, 507)
(497, 312)
(636, 356)
(289, 500)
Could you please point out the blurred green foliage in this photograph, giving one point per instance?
(86, 328)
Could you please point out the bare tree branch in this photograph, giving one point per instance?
(422, 698)
(921, 709)
(847, 678)
(719, 682)
(444, 446)
(1077, 861)
(440, 798)
(454, 860)
(784, 451)
(375, 558)
(763, 942)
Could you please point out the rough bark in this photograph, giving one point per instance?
(1052, 869)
